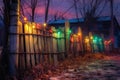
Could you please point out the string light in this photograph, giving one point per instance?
(44, 24)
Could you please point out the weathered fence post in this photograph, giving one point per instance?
(67, 37)
(24, 42)
(14, 17)
(66, 43)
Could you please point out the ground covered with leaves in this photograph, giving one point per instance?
(46, 71)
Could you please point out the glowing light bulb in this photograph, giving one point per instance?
(25, 19)
(44, 24)
(91, 37)
(79, 34)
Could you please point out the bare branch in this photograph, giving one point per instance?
(100, 11)
(1, 14)
(29, 4)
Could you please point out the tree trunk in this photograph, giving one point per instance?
(47, 10)
(4, 60)
(14, 17)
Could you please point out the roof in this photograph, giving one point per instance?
(103, 18)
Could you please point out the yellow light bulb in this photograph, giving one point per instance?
(25, 19)
(44, 24)
(86, 40)
(79, 34)
(74, 35)
(33, 26)
(91, 37)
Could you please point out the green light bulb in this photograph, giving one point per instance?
(58, 33)
(100, 39)
(96, 38)
(94, 41)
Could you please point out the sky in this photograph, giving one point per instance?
(56, 7)
(61, 7)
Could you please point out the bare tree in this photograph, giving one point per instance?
(76, 11)
(29, 4)
(13, 39)
(58, 16)
(47, 10)
(91, 7)
(33, 8)
(5, 17)
(10, 18)
(89, 10)
(1, 13)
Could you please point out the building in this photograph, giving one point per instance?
(102, 25)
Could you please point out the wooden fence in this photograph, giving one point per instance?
(37, 45)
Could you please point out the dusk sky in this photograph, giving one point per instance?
(61, 6)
